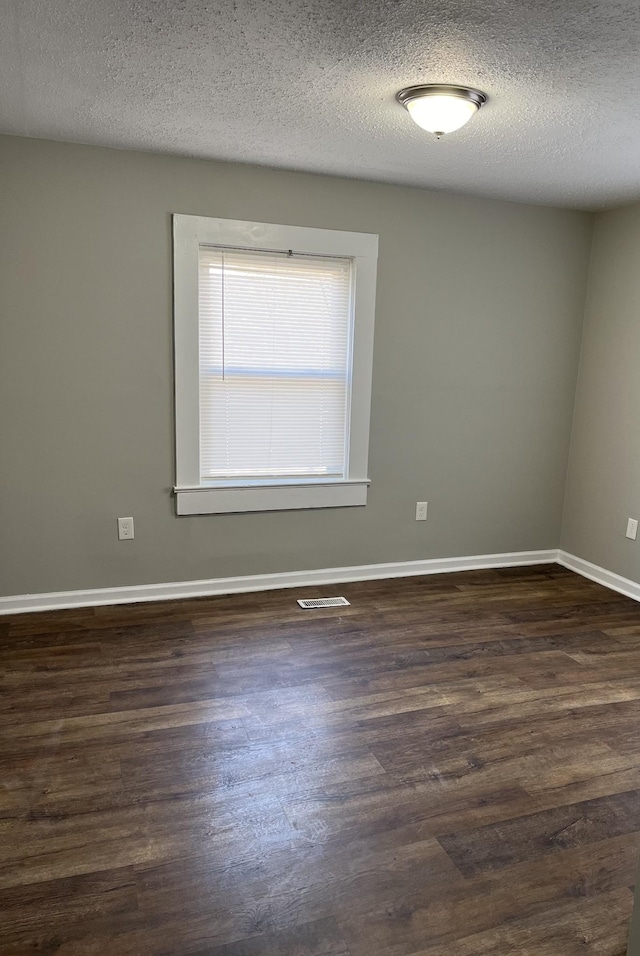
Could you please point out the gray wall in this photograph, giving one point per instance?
(603, 487)
(479, 314)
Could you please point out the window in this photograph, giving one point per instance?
(273, 352)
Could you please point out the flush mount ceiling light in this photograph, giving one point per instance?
(439, 108)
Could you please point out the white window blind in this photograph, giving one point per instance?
(275, 334)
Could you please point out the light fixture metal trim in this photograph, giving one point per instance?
(441, 89)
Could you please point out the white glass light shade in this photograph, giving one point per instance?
(439, 108)
(441, 114)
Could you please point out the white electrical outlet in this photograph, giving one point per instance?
(125, 528)
(632, 528)
(421, 510)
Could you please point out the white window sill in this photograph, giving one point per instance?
(205, 500)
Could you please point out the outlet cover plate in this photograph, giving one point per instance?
(421, 510)
(125, 529)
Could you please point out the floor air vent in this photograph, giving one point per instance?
(324, 602)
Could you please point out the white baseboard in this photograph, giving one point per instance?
(608, 578)
(22, 603)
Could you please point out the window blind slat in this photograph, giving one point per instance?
(274, 342)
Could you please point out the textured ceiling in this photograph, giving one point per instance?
(310, 85)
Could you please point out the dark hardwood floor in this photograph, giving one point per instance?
(449, 767)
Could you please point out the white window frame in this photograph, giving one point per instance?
(194, 497)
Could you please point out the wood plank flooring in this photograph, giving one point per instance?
(449, 766)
